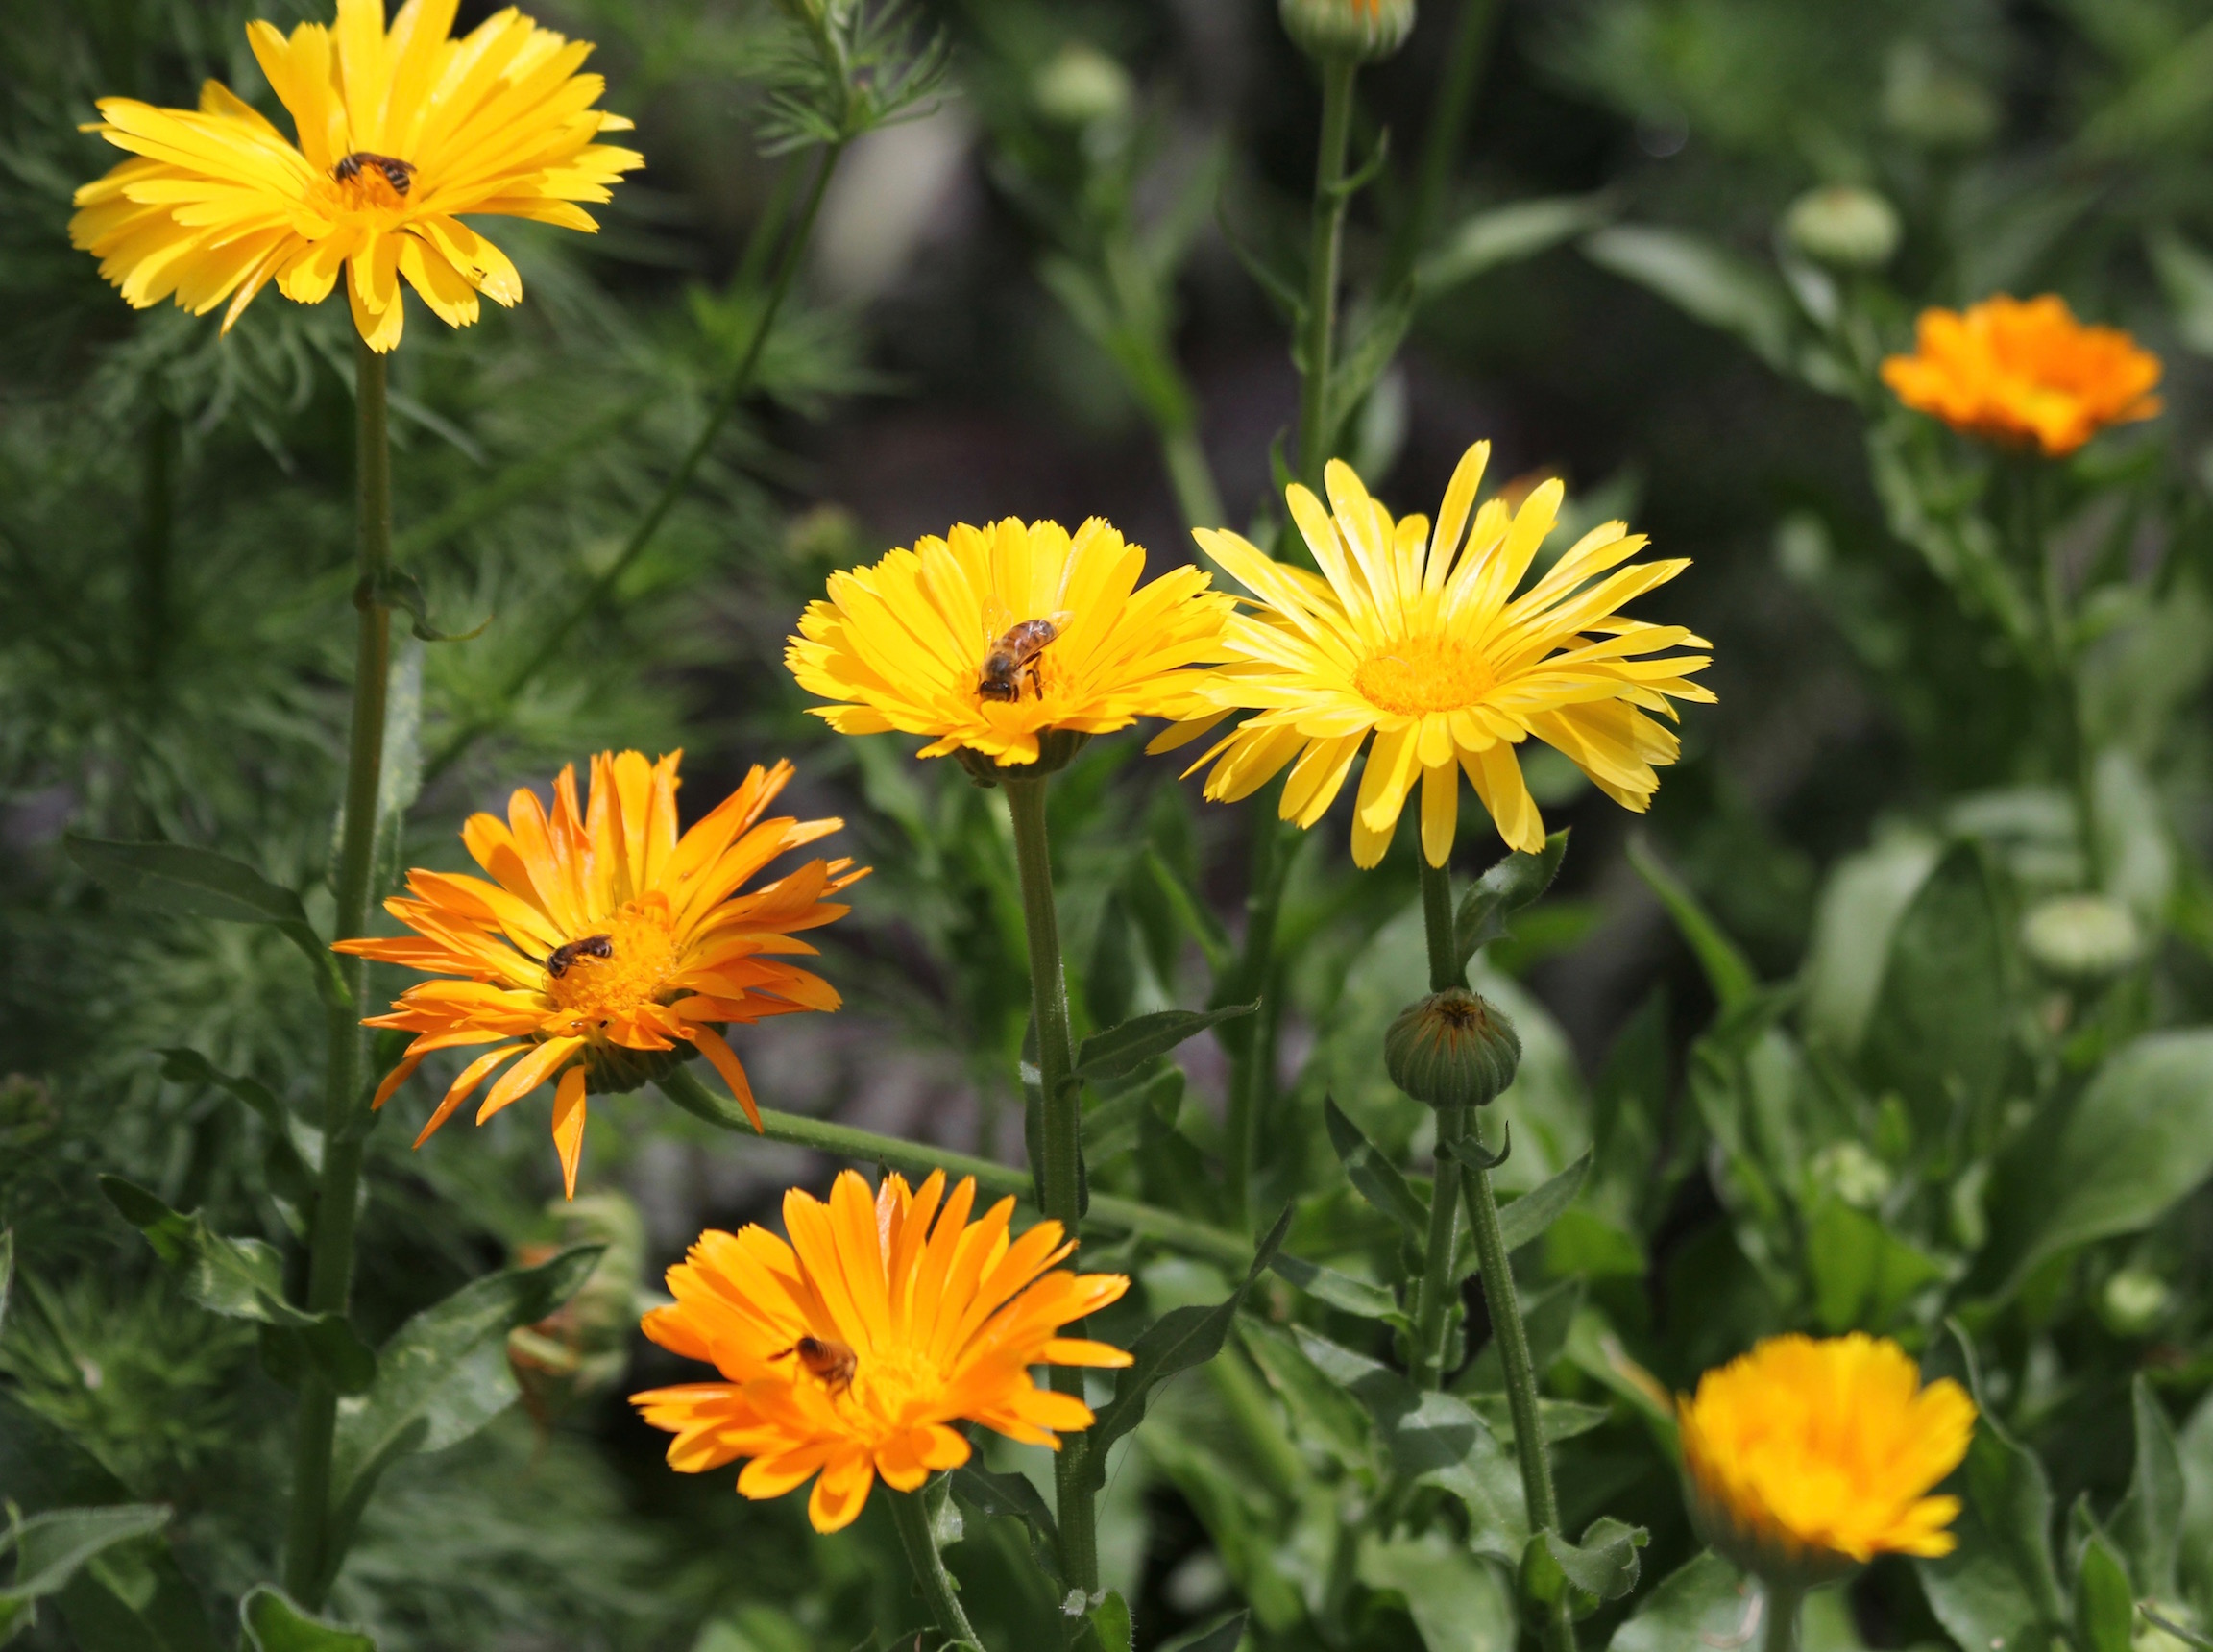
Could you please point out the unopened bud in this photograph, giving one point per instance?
(1366, 31)
(1843, 225)
(1082, 86)
(1453, 1049)
(2081, 937)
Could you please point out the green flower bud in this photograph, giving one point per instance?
(1366, 31)
(1843, 225)
(1852, 1173)
(1082, 86)
(1452, 1049)
(2133, 1303)
(2084, 939)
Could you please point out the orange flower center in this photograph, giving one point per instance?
(1423, 674)
(640, 940)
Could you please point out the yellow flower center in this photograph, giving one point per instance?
(1420, 675)
(890, 1380)
(641, 942)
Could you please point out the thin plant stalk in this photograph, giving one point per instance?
(1191, 475)
(330, 1248)
(1326, 251)
(2026, 483)
(1059, 1152)
(1446, 135)
(1432, 1308)
(554, 644)
(685, 1087)
(910, 1514)
(1780, 1607)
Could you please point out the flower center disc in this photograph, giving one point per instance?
(1422, 674)
(642, 939)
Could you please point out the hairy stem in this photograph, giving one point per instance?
(1325, 253)
(1060, 1152)
(1431, 1312)
(913, 1519)
(307, 1568)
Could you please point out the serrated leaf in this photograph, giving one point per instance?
(440, 1378)
(273, 1622)
(1509, 886)
(1341, 1291)
(1172, 1344)
(1377, 1177)
(1122, 1050)
(1728, 972)
(243, 1279)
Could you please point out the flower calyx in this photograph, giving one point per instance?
(1452, 1049)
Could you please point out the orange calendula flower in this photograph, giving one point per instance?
(1418, 639)
(992, 636)
(605, 943)
(1805, 1459)
(2021, 373)
(402, 131)
(851, 1352)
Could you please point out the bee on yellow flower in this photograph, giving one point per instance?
(401, 133)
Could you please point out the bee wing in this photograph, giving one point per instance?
(998, 620)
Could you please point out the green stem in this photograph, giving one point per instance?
(1781, 1608)
(307, 1568)
(689, 1091)
(1325, 253)
(1448, 118)
(1250, 975)
(1192, 477)
(1060, 1152)
(1433, 1308)
(554, 644)
(913, 1519)
(2077, 762)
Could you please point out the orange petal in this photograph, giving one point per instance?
(569, 1125)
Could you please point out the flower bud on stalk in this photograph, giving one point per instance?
(1453, 1049)
(1843, 226)
(1366, 31)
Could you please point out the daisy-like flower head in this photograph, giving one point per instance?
(851, 1352)
(909, 642)
(402, 132)
(1413, 637)
(605, 946)
(1805, 1459)
(2025, 373)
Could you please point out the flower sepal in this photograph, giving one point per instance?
(1056, 749)
(1452, 1049)
(1366, 31)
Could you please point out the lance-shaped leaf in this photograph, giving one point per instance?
(1508, 886)
(2147, 1525)
(1603, 1566)
(1704, 279)
(440, 1378)
(1342, 1291)
(201, 883)
(1507, 235)
(1728, 971)
(1377, 1178)
(1011, 1496)
(2105, 1605)
(1122, 1050)
(1172, 1344)
(244, 1279)
(294, 1148)
(1436, 1440)
(1223, 1636)
(50, 1549)
(1524, 1220)
(1706, 1603)
(273, 1621)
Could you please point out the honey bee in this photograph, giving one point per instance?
(400, 174)
(568, 952)
(1014, 651)
(831, 1362)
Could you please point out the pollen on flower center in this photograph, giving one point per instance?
(642, 943)
(1423, 674)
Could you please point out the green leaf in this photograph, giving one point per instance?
(1110, 1623)
(1942, 1028)
(1524, 1221)
(287, 1162)
(1341, 1291)
(1172, 1344)
(1011, 1496)
(2105, 1605)
(440, 1378)
(1547, 1317)
(273, 1622)
(1862, 900)
(1704, 280)
(1603, 1566)
(243, 1279)
(1122, 1050)
(201, 883)
(397, 587)
(1728, 971)
(6, 1271)
(1111, 978)
(2166, 1625)
(1559, 1418)
(1372, 340)
(1705, 1603)
(1434, 1439)
(1162, 885)
(1377, 1177)
(51, 1547)
(2114, 1160)
(1223, 1636)
(1863, 1273)
(1457, 1600)
(1512, 884)
(1125, 1121)
(1501, 235)
(2148, 1525)
(1321, 1411)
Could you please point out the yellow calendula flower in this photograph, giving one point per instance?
(989, 637)
(2025, 373)
(1805, 1459)
(604, 943)
(402, 131)
(1413, 637)
(853, 1351)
